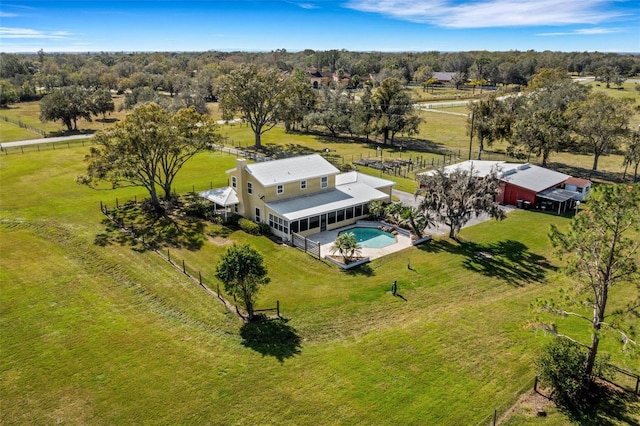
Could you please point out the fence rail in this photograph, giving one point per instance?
(180, 264)
(306, 245)
(20, 123)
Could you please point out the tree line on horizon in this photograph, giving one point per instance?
(192, 75)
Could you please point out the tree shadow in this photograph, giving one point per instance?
(606, 405)
(146, 229)
(508, 260)
(271, 337)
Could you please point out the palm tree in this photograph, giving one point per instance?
(347, 246)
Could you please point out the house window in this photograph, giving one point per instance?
(304, 225)
(249, 188)
(314, 222)
(233, 181)
(294, 226)
(340, 215)
(280, 189)
(324, 182)
(365, 209)
(331, 218)
(303, 184)
(358, 210)
(258, 215)
(349, 212)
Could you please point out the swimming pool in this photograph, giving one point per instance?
(371, 237)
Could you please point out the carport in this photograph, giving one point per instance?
(556, 200)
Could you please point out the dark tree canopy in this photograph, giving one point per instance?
(148, 148)
(454, 198)
(257, 94)
(242, 272)
(67, 104)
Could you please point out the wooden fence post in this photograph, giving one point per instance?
(184, 269)
(168, 256)
(278, 313)
(199, 277)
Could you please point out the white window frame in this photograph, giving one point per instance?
(234, 182)
(249, 188)
(324, 181)
(303, 184)
(280, 189)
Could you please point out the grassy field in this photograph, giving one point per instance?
(96, 330)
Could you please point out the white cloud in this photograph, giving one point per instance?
(23, 33)
(491, 13)
(583, 31)
(307, 5)
(8, 14)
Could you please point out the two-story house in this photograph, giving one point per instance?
(304, 194)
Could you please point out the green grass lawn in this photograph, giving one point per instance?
(99, 331)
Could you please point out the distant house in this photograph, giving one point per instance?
(530, 186)
(304, 194)
(323, 78)
(444, 77)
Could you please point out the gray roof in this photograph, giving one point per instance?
(372, 181)
(527, 176)
(343, 196)
(555, 194)
(270, 173)
(226, 196)
(533, 177)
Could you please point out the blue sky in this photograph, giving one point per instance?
(356, 25)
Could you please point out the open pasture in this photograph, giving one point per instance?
(98, 330)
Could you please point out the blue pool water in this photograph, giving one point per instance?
(371, 237)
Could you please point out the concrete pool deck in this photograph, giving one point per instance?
(327, 238)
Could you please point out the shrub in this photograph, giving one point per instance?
(561, 366)
(249, 227)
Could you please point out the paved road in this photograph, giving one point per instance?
(75, 137)
(45, 140)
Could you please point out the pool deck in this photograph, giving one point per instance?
(327, 238)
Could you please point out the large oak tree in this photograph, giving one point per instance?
(258, 94)
(148, 148)
(453, 198)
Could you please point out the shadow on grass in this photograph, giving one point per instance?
(508, 260)
(607, 405)
(271, 337)
(364, 270)
(156, 230)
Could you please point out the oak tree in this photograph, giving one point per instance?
(453, 198)
(148, 148)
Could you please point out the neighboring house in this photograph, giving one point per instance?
(324, 78)
(444, 77)
(320, 78)
(530, 186)
(304, 194)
